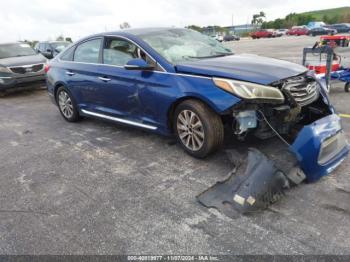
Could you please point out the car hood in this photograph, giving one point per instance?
(23, 60)
(251, 68)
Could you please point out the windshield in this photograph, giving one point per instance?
(180, 45)
(13, 50)
(59, 46)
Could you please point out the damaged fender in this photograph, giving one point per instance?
(320, 147)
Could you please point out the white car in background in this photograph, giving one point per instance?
(218, 37)
(282, 32)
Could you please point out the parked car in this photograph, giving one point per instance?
(341, 28)
(179, 82)
(228, 38)
(262, 33)
(322, 31)
(281, 32)
(20, 66)
(51, 49)
(298, 31)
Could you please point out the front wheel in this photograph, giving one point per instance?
(347, 87)
(198, 129)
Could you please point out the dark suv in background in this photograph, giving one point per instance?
(51, 49)
(20, 66)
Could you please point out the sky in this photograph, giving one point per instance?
(45, 20)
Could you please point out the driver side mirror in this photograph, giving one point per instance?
(138, 64)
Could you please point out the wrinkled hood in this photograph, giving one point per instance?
(251, 68)
(23, 60)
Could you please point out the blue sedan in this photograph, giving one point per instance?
(179, 82)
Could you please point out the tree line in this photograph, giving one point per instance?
(294, 19)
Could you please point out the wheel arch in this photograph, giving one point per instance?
(56, 87)
(172, 108)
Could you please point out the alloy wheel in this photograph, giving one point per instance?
(190, 130)
(65, 104)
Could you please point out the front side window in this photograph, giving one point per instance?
(16, 50)
(88, 52)
(180, 45)
(118, 51)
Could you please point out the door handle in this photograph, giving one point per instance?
(104, 79)
(70, 73)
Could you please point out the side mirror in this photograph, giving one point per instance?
(138, 64)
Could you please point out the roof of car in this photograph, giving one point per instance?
(138, 31)
(134, 31)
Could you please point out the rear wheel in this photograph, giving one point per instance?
(347, 87)
(67, 105)
(198, 129)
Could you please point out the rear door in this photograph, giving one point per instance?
(83, 72)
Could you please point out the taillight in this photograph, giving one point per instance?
(46, 68)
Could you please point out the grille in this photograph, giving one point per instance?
(27, 69)
(303, 89)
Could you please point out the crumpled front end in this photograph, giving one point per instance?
(320, 147)
(306, 121)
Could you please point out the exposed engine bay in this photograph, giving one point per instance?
(304, 104)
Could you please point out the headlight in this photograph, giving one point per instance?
(4, 69)
(250, 91)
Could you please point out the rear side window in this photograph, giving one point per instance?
(88, 52)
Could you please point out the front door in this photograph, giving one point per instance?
(128, 94)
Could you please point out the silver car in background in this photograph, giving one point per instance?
(20, 66)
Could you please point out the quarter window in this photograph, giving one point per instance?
(88, 52)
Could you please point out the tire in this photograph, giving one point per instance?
(66, 104)
(209, 130)
(347, 87)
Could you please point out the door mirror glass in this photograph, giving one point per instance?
(138, 64)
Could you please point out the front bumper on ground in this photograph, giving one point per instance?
(16, 82)
(320, 147)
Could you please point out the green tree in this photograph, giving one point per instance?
(195, 27)
(125, 25)
(60, 38)
(258, 19)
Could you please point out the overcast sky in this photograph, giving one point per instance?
(44, 20)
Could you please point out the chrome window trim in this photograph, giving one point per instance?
(120, 120)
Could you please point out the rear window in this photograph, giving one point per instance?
(16, 50)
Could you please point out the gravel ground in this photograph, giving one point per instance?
(100, 188)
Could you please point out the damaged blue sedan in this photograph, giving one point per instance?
(179, 82)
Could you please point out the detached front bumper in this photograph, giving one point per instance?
(17, 82)
(320, 147)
